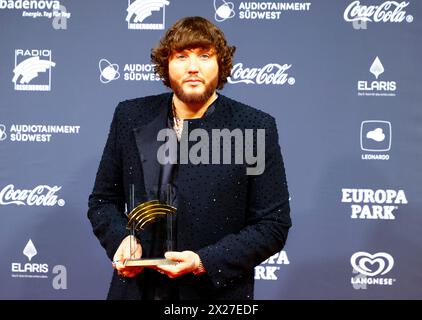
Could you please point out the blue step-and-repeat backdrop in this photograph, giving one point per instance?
(342, 78)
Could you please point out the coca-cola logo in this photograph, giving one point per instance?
(388, 11)
(272, 73)
(41, 195)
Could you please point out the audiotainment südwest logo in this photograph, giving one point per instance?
(3, 134)
(254, 10)
(35, 133)
(32, 71)
(371, 269)
(146, 14)
(38, 270)
(131, 72)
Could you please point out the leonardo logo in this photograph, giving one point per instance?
(272, 73)
(373, 204)
(267, 269)
(41, 195)
(140, 10)
(32, 70)
(388, 11)
(370, 266)
(375, 139)
(377, 87)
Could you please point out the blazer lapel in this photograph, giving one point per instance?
(147, 144)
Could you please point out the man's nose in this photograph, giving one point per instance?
(193, 65)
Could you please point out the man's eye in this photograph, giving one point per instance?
(205, 56)
(180, 56)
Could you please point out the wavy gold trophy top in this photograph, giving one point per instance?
(145, 214)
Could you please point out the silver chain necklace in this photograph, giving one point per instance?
(177, 123)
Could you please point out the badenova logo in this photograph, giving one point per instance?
(50, 9)
(373, 204)
(267, 269)
(154, 11)
(371, 268)
(388, 11)
(270, 74)
(33, 269)
(254, 10)
(41, 195)
(377, 87)
(32, 70)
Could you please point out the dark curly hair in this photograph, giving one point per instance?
(189, 33)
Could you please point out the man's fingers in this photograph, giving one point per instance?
(119, 264)
(168, 269)
(174, 256)
(179, 257)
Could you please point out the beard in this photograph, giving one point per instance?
(194, 98)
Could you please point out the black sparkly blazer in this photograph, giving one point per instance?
(232, 220)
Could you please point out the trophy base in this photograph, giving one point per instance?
(148, 262)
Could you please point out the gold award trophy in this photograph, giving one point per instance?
(142, 216)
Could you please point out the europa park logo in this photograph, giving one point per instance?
(373, 204)
(267, 270)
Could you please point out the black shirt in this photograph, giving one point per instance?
(160, 286)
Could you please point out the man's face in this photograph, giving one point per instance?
(193, 74)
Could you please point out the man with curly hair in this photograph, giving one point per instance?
(227, 221)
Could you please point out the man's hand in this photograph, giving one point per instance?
(123, 253)
(187, 262)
